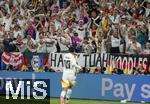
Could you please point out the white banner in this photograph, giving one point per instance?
(104, 60)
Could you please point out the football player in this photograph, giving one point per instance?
(70, 70)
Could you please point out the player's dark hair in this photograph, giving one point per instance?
(71, 49)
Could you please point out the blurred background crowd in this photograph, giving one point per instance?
(90, 26)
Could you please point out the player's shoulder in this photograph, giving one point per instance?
(68, 56)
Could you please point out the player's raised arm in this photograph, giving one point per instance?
(74, 64)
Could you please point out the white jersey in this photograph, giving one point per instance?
(70, 67)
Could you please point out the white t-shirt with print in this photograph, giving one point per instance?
(115, 42)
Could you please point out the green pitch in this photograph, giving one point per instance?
(56, 101)
(77, 101)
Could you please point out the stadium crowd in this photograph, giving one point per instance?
(90, 26)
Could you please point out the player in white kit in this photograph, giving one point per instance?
(70, 69)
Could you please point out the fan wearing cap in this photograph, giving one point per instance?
(70, 69)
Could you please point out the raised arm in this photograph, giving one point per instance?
(1, 13)
(69, 9)
(74, 64)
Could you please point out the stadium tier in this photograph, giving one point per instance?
(104, 45)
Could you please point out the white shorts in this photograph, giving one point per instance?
(68, 81)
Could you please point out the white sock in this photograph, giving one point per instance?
(68, 94)
(63, 93)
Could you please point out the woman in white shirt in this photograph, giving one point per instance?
(115, 18)
(115, 42)
(51, 42)
(81, 29)
(134, 47)
(41, 45)
(20, 43)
